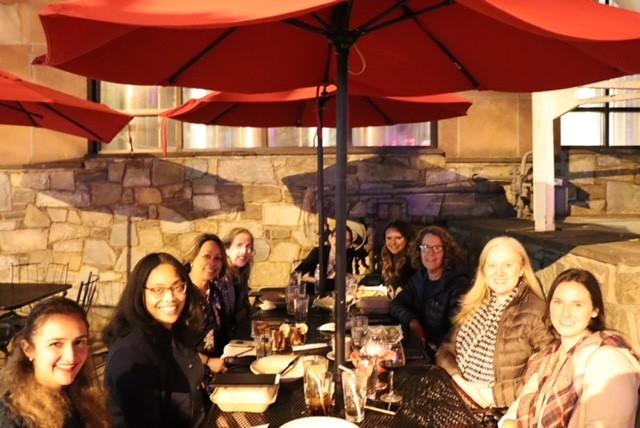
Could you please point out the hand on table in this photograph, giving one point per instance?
(478, 392)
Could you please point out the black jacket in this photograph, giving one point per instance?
(308, 265)
(433, 303)
(152, 382)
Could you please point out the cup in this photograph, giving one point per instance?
(293, 290)
(301, 306)
(354, 390)
(347, 346)
(359, 325)
(263, 343)
(367, 365)
(318, 385)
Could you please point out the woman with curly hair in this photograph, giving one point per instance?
(153, 374)
(430, 299)
(47, 380)
(239, 246)
(499, 326)
(395, 255)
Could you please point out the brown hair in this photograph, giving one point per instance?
(392, 264)
(453, 254)
(235, 272)
(198, 242)
(41, 406)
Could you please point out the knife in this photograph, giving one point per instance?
(289, 366)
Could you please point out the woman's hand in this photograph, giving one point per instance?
(216, 365)
(418, 332)
(481, 394)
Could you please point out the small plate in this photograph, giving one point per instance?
(332, 356)
(272, 364)
(319, 422)
(329, 327)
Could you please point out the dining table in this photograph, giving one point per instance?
(16, 295)
(429, 396)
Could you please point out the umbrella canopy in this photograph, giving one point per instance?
(299, 108)
(403, 47)
(27, 104)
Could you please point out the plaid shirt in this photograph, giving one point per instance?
(558, 382)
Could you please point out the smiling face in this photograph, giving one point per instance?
(165, 307)
(432, 255)
(571, 311)
(394, 241)
(240, 251)
(207, 264)
(58, 350)
(502, 269)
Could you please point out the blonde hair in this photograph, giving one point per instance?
(480, 291)
(41, 406)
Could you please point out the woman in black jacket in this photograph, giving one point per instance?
(153, 374)
(431, 298)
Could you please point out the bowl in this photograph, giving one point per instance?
(245, 398)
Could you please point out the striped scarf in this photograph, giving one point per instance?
(476, 340)
(559, 383)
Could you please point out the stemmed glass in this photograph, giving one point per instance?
(391, 360)
(375, 347)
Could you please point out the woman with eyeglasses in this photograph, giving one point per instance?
(499, 326)
(153, 375)
(206, 263)
(430, 299)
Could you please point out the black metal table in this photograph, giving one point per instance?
(429, 397)
(14, 296)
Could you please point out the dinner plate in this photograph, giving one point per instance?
(272, 364)
(319, 422)
(330, 327)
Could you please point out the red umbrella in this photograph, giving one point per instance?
(404, 47)
(312, 107)
(401, 47)
(298, 108)
(27, 104)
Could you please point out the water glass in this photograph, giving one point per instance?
(301, 307)
(293, 291)
(263, 343)
(354, 390)
(359, 325)
(318, 385)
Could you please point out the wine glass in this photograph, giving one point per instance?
(376, 346)
(392, 360)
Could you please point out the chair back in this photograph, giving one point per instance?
(56, 273)
(26, 272)
(87, 291)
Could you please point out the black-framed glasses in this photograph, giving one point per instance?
(177, 289)
(431, 248)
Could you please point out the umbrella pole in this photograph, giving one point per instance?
(320, 205)
(342, 122)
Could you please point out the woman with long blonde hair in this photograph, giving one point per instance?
(48, 381)
(239, 246)
(499, 326)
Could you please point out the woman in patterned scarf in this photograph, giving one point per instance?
(499, 326)
(589, 376)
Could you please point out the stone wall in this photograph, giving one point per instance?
(104, 214)
(603, 181)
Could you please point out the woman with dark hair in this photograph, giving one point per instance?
(395, 255)
(430, 299)
(239, 246)
(153, 375)
(47, 379)
(308, 266)
(206, 263)
(589, 376)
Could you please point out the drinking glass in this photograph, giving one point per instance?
(354, 389)
(301, 305)
(359, 325)
(375, 347)
(293, 291)
(392, 360)
(318, 385)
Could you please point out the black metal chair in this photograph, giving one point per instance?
(56, 273)
(87, 291)
(26, 272)
(10, 324)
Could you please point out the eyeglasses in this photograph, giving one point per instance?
(431, 248)
(176, 289)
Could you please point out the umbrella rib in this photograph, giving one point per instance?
(216, 118)
(21, 108)
(380, 111)
(364, 29)
(304, 26)
(175, 76)
(73, 121)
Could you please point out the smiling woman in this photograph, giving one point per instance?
(47, 379)
(153, 374)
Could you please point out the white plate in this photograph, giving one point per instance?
(253, 398)
(272, 364)
(330, 327)
(319, 422)
(332, 357)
